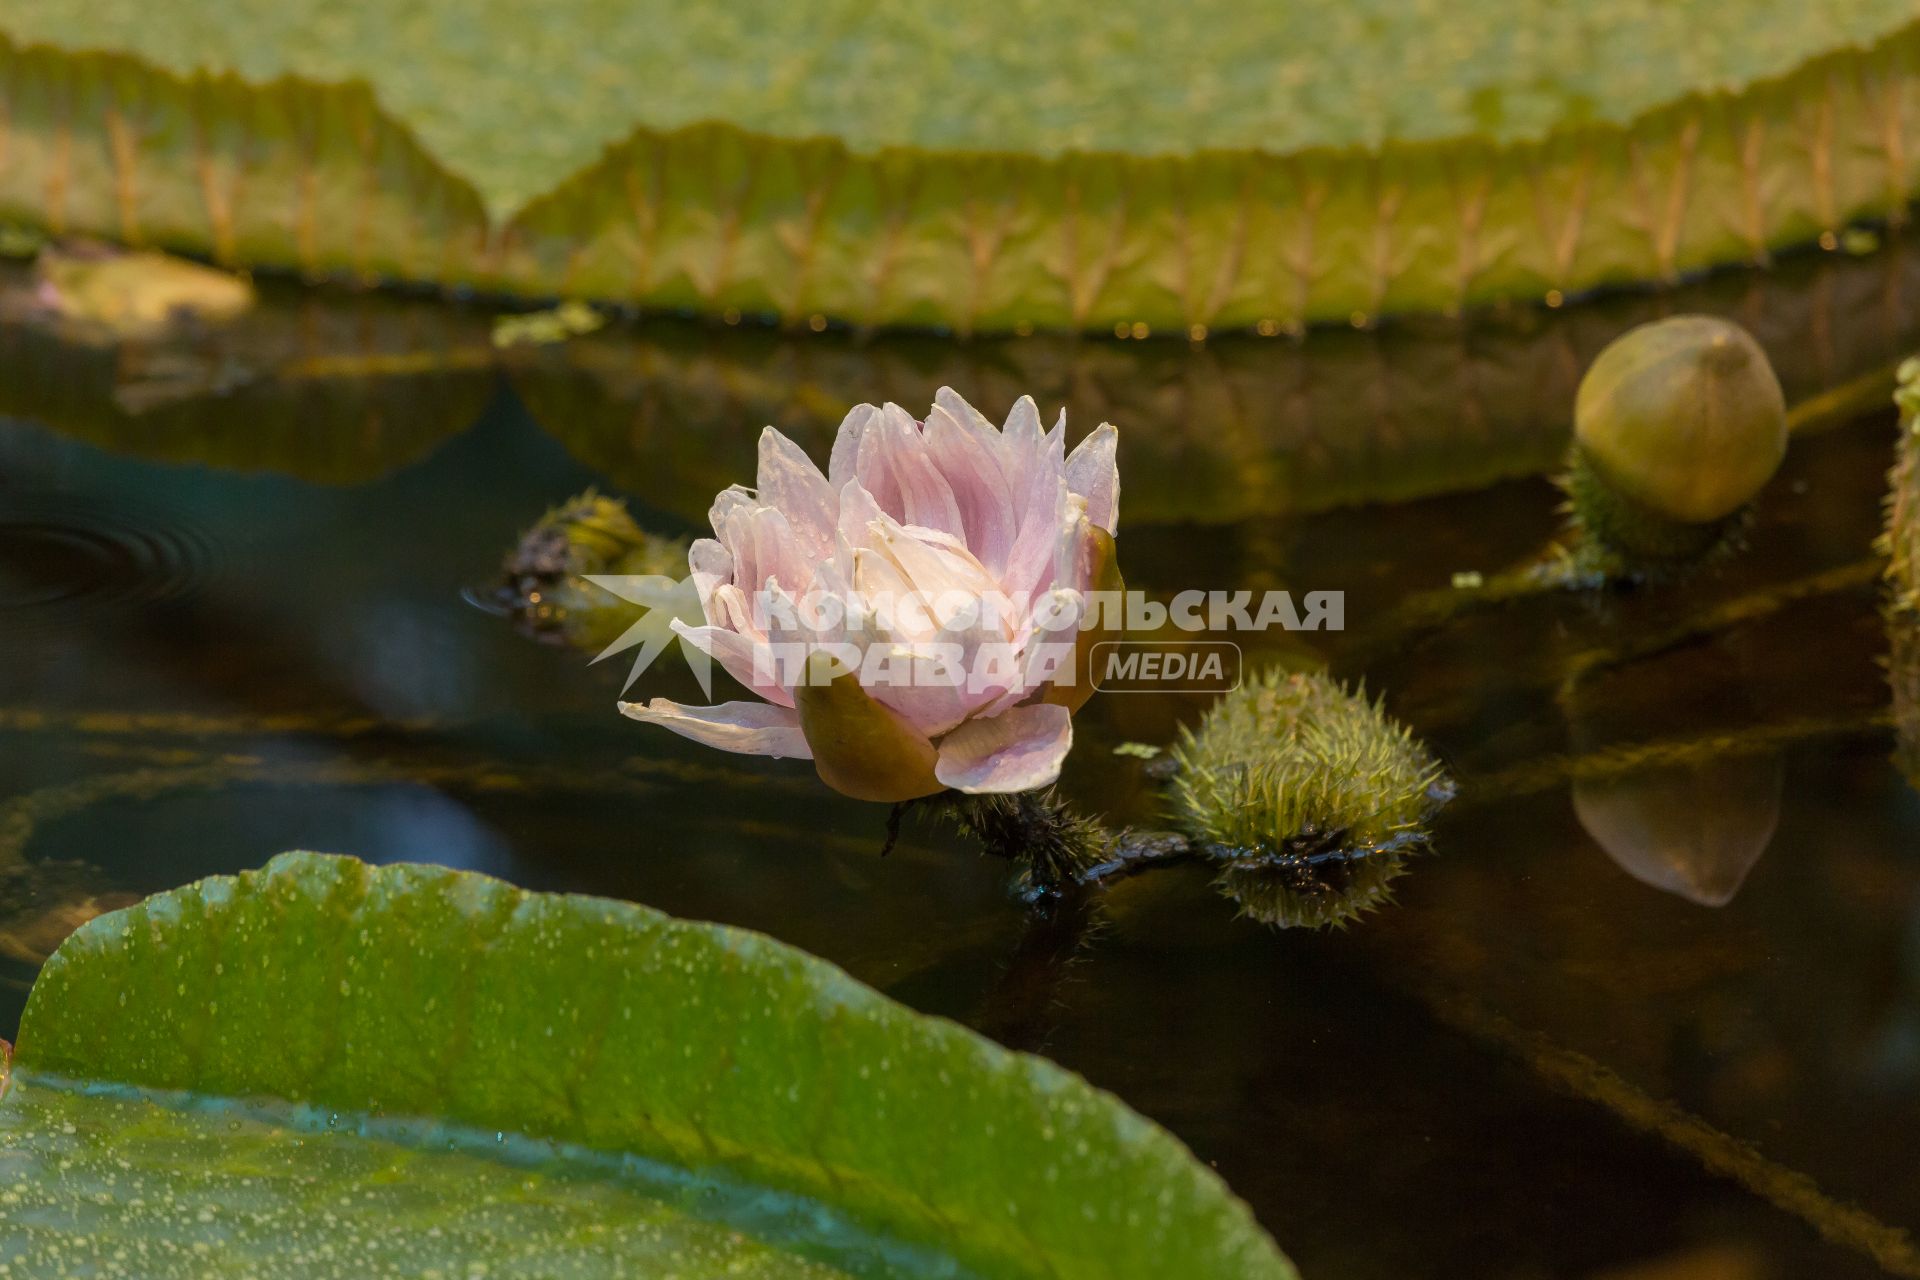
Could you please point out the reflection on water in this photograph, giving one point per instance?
(42, 902)
(1529, 1065)
(1694, 830)
(333, 389)
(1243, 426)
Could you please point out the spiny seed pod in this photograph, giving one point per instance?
(1303, 893)
(1309, 795)
(1678, 425)
(590, 534)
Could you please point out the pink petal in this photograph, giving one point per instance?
(788, 480)
(1093, 472)
(763, 545)
(928, 702)
(970, 463)
(1038, 647)
(737, 655)
(749, 728)
(975, 424)
(963, 413)
(899, 472)
(1022, 431)
(1030, 563)
(841, 464)
(711, 566)
(1017, 750)
(728, 503)
(1073, 553)
(860, 514)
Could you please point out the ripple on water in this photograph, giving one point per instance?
(65, 558)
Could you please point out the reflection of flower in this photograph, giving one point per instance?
(949, 509)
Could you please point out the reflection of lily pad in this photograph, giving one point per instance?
(1023, 164)
(729, 1082)
(333, 389)
(1216, 432)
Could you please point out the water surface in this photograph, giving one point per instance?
(231, 604)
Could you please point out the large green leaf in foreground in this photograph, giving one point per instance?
(1030, 163)
(703, 1101)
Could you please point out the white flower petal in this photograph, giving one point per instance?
(788, 480)
(745, 658)
(711, 566)
(1017, 750)
(969, 459)
(749, 728)
(846, 445)
(1093, 472)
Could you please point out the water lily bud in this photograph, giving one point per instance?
(1683, 418)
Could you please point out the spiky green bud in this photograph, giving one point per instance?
(589, 534)
(1308, 794)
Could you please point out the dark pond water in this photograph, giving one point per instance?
(231, 605)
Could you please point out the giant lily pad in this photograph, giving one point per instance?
(323, 1068)
(1221, 165)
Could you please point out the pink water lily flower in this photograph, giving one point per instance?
(801, 585)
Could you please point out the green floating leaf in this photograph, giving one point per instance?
(755, 1101)
(543, 328)
(1029, 164)
(115, 1185)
